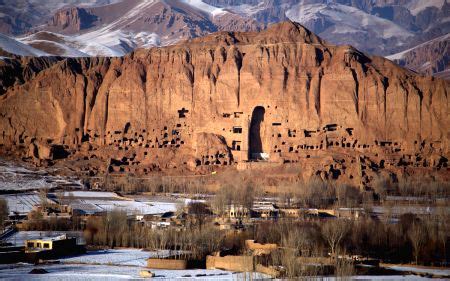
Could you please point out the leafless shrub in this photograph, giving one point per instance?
(334, 232)
(417, 235)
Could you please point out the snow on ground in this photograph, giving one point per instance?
(346, 19)
(398, 210)
(204, 7)
(90, 194)
(433, 271)
(132, 257)
(98, 201)
(112, 272)
(22, 203)
(17, 178)
(128, 206)
(376, 277)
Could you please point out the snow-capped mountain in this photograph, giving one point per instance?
(116, 27)
(432, 57)
(348, 25)
(21, 16)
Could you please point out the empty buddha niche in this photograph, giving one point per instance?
(255, 151)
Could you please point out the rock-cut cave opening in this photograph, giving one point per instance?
(255, 143)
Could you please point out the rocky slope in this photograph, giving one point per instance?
(118, 28)
(281, 94)
(432, 57)
(22, 16)
(375, 26)
(109, 27)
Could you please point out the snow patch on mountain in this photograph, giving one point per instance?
(95, 43)
(417, 6)
(346, 19)
(13, 46)
(249, 10)
(202, 6)
(400, 55)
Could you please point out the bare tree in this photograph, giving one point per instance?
(334, 232)
(417, 235)
(92, 228)
(443, 219)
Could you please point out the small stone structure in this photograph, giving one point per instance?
(260, 249)
(166, 264)
(233, 263)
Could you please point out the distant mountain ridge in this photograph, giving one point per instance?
(116, 27)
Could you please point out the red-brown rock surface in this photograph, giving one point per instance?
(72, 19)
(281, 94)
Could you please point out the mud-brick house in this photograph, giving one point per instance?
(265, 211)
(237, 212)
(290, 212)
(165, 220)
(260, 210)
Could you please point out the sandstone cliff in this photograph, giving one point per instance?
(72, 19)
(281, 95)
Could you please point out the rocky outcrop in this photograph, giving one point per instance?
(431, 57)
(281, 94)
(73, 19)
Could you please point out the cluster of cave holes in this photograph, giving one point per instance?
(153, 139)
(217, 159)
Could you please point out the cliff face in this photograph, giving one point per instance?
(72, 19)
(281, 94)
(432, 57)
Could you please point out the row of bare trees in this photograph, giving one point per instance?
(422, 241)
(114, 230)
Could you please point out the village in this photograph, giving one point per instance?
(241, 232)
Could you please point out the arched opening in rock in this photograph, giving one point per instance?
(255, 151)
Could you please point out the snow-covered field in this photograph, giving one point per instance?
(91, 194)
(127, 263)
(434, 271)
(111, 272)
(112, 265)
(128, 206)
(21, 204)
(99, 201)
(130, 257)
(17, 178)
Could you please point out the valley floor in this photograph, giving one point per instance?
(112, 265)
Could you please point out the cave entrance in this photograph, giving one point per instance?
(255, 151)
